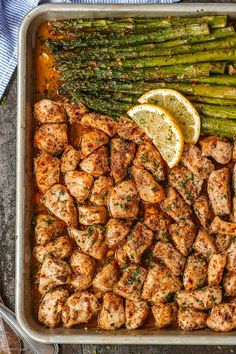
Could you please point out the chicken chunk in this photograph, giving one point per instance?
(148, 157)
(46, 227)
(199, 165)
(204, 244)
(97, 163)
(121, 257)
(116, 231)
(128, 129)
(172, 258)
(222, 318)
(222, 242)
(51, 138)
(176, 207)
(47, 171)
(124, 200)
(231, 257)
(122, 155)
(200, 299)
(106, 278)
(112, 315)
(79, 308)
(186, 183)
(79, 184)
(60, 247)
(135, 312)
(139, 240)
(223, 227)
(149, 190)
(75, 112)
(215, 268)
(89, 215)
(229, 284)
(218, 188)
(164, 314)
(92, 140)
(47, 111)
(183, 235)
(203, 211)
(83, 269)
(195, 272)
(131, 282)
(53, 272)
(91, 240)
(101, 122)
(219, 149)
(50, 307)
(70, 159)
(100, 191)
(60, 203)
(190, 319)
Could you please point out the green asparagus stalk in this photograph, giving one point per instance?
(226, 80)
(218, 67)
(218, 126)
(211, 100)
(223, 112)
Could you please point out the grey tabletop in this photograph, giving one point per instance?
(7, 239)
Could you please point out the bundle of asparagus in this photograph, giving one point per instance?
(109, 63)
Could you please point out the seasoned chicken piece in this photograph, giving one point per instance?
(190, 319)
(186, 183)
(47, 171)
(135, 312)
(122, 155)
(203, 211)
(176, 207)
(204, 244)
(195, 272)
(153, 217)
(83, 269)
(75, 112)
(218, 188)
(79, 184)
(148, 157)
(139, 240)
(53, 272)
(92, 140)
(60, 247)
(70, 159)
(91, 240)
(229, 284)
(60, 203)
(100, 191)
(183, 235)
(222, 318)
(149, 190)
(124, 200)
(231, 257)
(199, 165)
(51, 138)
(89, 215)
(200, 299)
(121, 257)
(50, 307)
(219, 149)
(172, 258)
(164, 314)
(112, 315)
(101, 122)
(131, 282)
(47, 111)
(160, 284)
(46, 227)
(222, 242)
(222, 227)
(215, 268)
(97, 163)
(106, 278)
(116, 231)
(128, 129)
(79, 308)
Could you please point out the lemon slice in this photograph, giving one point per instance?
(181, 109)
(161, 127)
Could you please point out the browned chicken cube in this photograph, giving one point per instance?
(51, 138)
(83, 269)
(60, 247)
(70, 159)
(97, 163)
(148, 157)
(89, 215)
(122, 155)
(203, 211)
(112, 315)
(124, 200)
(218, 188)
(47, 111)
(195, 272)
(106, 278)
(60, 203)
(116, 231)
(121, 257)
(101, 122)
(164, 314)
(128, 129)
(157, 221)
(222, 242)
(229, 284)
(231, 257)
(222, 318)
(79, 184)
(149, 190)
(219, 149)
(46, 227)
(47, 171)
(131, 282)
(190, 319)
(200, 299)
(75, 112)
(183, 235)
(222, 227)
(204, 244)
(92, 140)
(100, 191)
(215, 268)
(135, 312)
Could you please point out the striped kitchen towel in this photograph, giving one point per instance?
(11, 14)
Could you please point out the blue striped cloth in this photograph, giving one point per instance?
(11, 14)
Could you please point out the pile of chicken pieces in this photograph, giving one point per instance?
(121, 235)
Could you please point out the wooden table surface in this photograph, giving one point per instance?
(7, 239)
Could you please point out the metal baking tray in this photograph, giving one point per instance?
(25, 101)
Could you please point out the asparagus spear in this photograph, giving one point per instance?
(227, 112)
(211, 100)
(218, 67)
(218, 126)
(227, 80)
